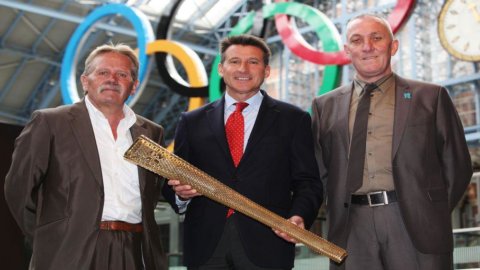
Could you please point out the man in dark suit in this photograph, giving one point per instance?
(69, 188)
(395, 172)
(273, 164)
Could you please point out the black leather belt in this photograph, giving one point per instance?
(376, 198)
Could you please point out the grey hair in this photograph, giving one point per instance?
(116, 48)
(375, 16)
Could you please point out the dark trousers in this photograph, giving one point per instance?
(118, 250)
(378, 240)
(229, 253)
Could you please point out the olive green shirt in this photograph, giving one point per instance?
(377, 173)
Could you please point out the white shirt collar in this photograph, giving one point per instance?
(129, 119)
(254, 102)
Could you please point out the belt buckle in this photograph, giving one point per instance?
(385, 198)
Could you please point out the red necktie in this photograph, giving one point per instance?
(235, 130)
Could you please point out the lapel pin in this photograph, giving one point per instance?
(407, 95)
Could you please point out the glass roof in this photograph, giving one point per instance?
(201, 14)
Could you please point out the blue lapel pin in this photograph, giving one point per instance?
(407, 95)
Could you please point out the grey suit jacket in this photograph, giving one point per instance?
(430, 161)
(54, 189)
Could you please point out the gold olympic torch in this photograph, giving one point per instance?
(148, 154)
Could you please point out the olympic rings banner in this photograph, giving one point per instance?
(198, 85)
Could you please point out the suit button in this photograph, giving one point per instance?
(345, 205)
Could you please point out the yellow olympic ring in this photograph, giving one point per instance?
(197, 76)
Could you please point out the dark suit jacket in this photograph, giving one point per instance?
(430, 161)
(54, 189)
(278, 171)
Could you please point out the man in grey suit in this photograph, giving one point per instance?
(394, 160)
(70, 190)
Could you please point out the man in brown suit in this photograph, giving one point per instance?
(394, 172)
(69, 188)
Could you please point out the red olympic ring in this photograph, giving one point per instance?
(297, 44)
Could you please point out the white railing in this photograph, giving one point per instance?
(466, 254)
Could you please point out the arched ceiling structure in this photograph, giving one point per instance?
(34, 34)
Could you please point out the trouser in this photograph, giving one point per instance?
(229, 253)
(118, 250)
(378, 240)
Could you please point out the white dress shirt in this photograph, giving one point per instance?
(120, 177)
(250, 114)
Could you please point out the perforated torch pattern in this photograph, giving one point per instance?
(151, 156)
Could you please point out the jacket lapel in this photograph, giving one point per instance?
(267, 115)
(83, 132)
(403, 98)
(343, 101)
(136, 130)
(215, 116)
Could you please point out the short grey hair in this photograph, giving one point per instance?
(375, 16)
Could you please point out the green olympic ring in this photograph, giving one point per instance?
(321, 25)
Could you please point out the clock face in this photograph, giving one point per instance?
(459, 28)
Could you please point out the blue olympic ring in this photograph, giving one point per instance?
(145, 35)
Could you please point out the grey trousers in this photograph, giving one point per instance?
(378, 240)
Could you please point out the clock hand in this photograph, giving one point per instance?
(473, 8)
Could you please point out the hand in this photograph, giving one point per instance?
(297, 220)
(184, 192)
(473, 8)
